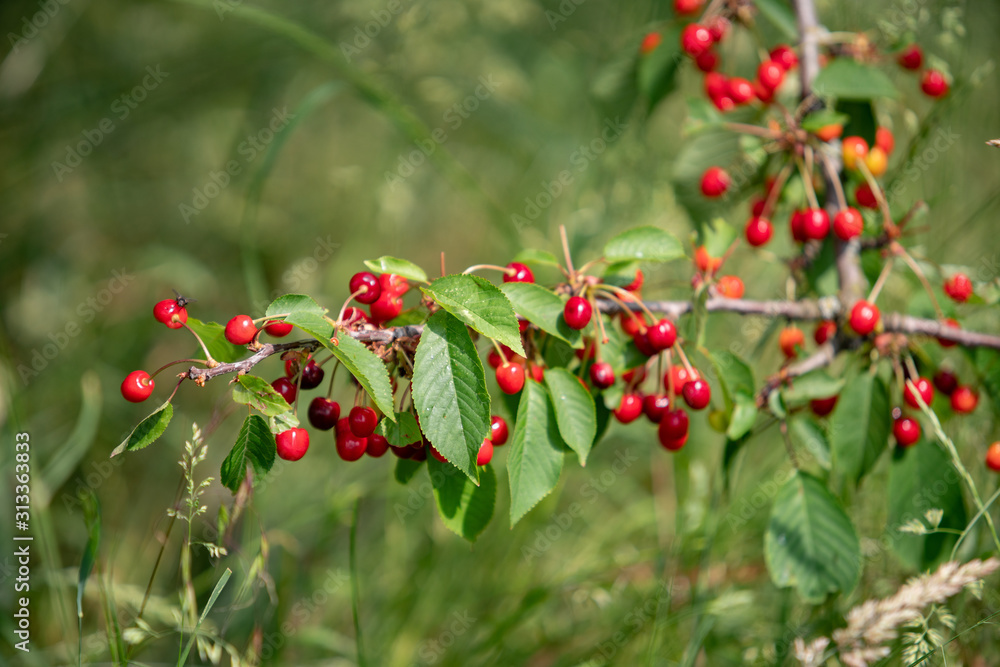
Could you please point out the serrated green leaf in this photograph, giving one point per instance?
(406, 469)
(214, 337)
(780, 16)
(539, 257)
(542, 308)
(620, 274)
(647, 244)
(817, 120)
(259, 395)
(536, 451)
(846, 78)
(744, 416)
(400, 267)
(401, 433)
(464, 508)
(810, 542)
(860, 425)
(449, 391)
(147, 431)
(734, 374)
(813, 385)
(295, 305)
(480, 304)
(575, 411)
(283, 422)
(254, 445)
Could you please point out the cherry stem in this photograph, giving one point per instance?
(880, 282)
(628, 296)
(623, 306)
(684, 360)
(887, 224)
(340, 316)
(209, 361)
(583, 269)
(271, 318)
(912, 263)
(775, 192)
(912, 367)
(333, 374)
(569, 260)
(832, 177)
(670, 378)
(477, 267)
(499, 350)
(174, 392)
(174, 363)
(442, 264)
(807, 183)
(600, 323)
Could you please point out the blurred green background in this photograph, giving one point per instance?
(115, 116)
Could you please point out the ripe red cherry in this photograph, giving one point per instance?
(629, 408)
(385, 308)
(650, 42)
(730, 287)
(885, 140)
(695, 39)
(520, 274)
(687, 7)
(821, 407)
(789, 339)
(636, 283)
(924, 388)
(715, 181)
(707, 61)
(365, 287)
(674, 445)
(906, 431)
(362, 421)
(537, 372)
(601, 375)
(824, 331)
(945, 382)
(912, 57)
(354, 315)
(697, 394)
(993, 457)
(953, 323)
(864, 317)
(485, 454)
(277, 328)
(137, 386)
(958, 287)
(740, 90)
(312, 375)
(498, 430)
(577, 312)
(292, 444)
(795, 221)
(718, 26)
(673, 426)
(816, 224)
(662, 335)
(170, 313)
(240, 330)
(758, 231)
(770, 74)
(784, 56)
(934, 84)
(865, 197)
(848, 224)
(351, 447)
(510, 377)
(705, 262)
(377, 446)
(724, 103)
(395, 285)
(679, 376)
(654, 406)
(964, 399)
(716, 85)
(323, 413)
(286, 388)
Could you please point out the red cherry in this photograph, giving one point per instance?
(906, 430)
(865, 197)
(636, 283)
(537, 372)
(395, 285)
(312, 375)
(707, 61)
(784, 56)
(170, 313)
(354, 315)
(815, 224)
(323, 413)
(498, 430)
(641, 341)
(964, 399)
(351, 447)
(729, 287)
(958, 287)
(993, 457)
(438, 455)
(924, 388)
(520, 274)
(679, 376)
(485, 454)
(765, 95)
(740, 90)
(934, 84)
(493, 359)
(377, 446)
(795, 223)
(705, 262)
(292, 444)
(674, 425)
(687, 7)
(770, 74)
(848, 224)
(718, 26)
(953, 323)
(695, 39)
(715, 181)
(757, 204)
(635, 375)
(650, 42)
(137, 386)
(368, 285)
(362, 421)
(724, 103)
(662, 335)
(674, 445)
(885, 140)
(291, 367)
(277, 328)
(864, 317)
(286, 388)
(240, 330)
(385, 308)
(821, 407)
(758, 231)
(789, 340)
(510, 377)
(601, 375)
(716, 85)
(946, 382)
(824, 331)
(577, 312)
(654, 406)
(912, 57)
(629, 408)
(697, 394)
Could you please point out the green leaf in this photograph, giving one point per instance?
(744, 416)
(465, 508)
(400, 267)
(657, 70)
(576, 414)
(862, 121)
(259, 395)
(734, 374)
(648, 244)
(810, 542)
(846, 78)
(214, 337)
(536, 451)
(810, 434)
(813, 385)
(922, 478)
(148, 430)
(539, 257)
(620, 274)
(860, 425)
(817, 120)
(480, 304)
(254, 445)
(295, 305)
(449, 391)
(542, 308)
(401, 433)
(406, 469)
(780, 16)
